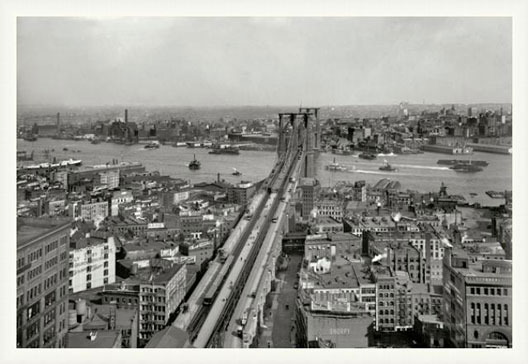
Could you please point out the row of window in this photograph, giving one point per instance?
(491, 315)
(489, 291)
(50, 263)
(50, 281)
(51, 247)
(35, 272)
(34, 292)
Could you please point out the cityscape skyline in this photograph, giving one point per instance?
(214, 61)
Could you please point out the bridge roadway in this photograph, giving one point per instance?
(258, 284)
(225, 302)
(191, 317)
(227, 288)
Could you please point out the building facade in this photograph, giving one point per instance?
(92, 263)
(42, 282)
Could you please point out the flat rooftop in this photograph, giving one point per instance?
(103, 339)
(29, 229)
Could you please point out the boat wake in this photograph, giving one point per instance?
(387, 155)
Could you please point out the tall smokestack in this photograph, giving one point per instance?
(58, 123)
(126, 115)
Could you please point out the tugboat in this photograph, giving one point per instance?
(236, 172)
(368, 156)
(388, 168)
(152, 145)
(195, 163)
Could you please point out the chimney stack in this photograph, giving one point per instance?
(126, 115)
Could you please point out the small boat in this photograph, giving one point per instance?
(473, 194)
(152, 145)
(65, 149)
(368, 156)
(195, 164)
(236, 172)
(388, 168)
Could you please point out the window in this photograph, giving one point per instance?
(486, 291)
(88, 277)
(105, 272)
(472, 290)
(49, 299)
(89, 285)
(105, 264)
(105, 280)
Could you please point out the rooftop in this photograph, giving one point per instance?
(29, 229)
(170, 337)
(103, 339)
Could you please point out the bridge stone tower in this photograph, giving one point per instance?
(305, 132)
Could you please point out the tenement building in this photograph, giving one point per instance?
(42, 282)
(477, 301)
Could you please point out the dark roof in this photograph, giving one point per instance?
(29, 229)
(103, 339)
(170, 337)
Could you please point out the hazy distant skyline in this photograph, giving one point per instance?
(263, 61)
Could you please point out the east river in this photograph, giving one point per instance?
(414, 171)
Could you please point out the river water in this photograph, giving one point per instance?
(415, 171)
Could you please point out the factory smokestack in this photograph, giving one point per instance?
(126, 115)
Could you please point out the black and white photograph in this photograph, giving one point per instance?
(265, 182)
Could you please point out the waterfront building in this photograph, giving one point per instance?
(477, 301)
(42, 282)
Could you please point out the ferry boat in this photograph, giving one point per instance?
(335, 167)
(236, 172)
(153, 145)
(466, 167)
(388, 168)
(368, 156)
(452, 162)
(195, 163)
(226, 150)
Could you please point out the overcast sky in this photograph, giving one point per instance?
(263, 61)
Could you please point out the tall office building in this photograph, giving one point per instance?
(477, 301)
(42, 282)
